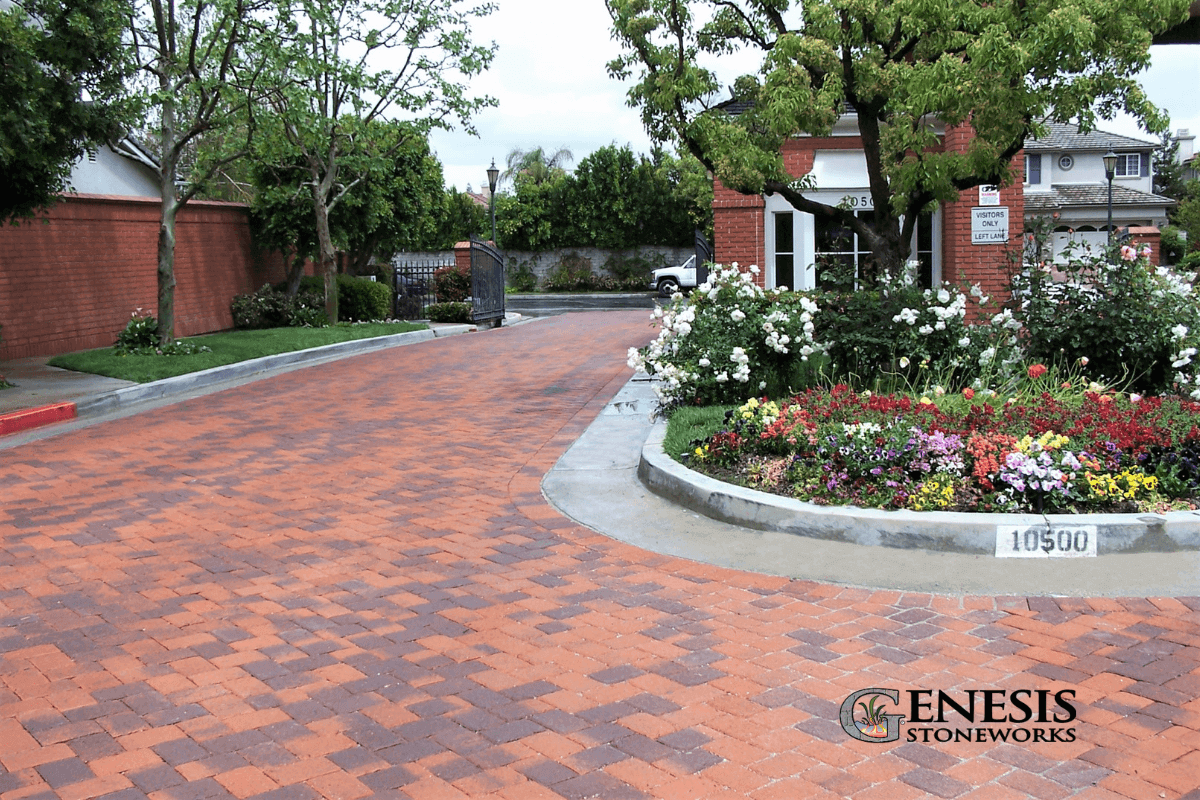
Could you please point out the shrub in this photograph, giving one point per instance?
(272, 308)
(452, 284)
(730, 341)
(140, 332)
(140, 338)
(1117, 316)
(573, 273)
(632, 273)
(363, 300)
(521, 278)
(449, 312)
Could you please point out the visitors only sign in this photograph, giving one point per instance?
(989, 225)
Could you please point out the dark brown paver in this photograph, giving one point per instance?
(344, 582)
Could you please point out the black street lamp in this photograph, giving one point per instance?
(1110, 167)
(493, 174)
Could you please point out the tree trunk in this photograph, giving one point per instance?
(166, 227)
(294, 269)
(327, 254)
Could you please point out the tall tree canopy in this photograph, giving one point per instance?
(344, 64)
(1002, 67)
(187, 51)
(62, 72)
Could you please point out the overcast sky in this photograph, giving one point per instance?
(554, 91)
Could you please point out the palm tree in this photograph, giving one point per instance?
(535, 165)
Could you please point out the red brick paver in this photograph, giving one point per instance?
(344, 582)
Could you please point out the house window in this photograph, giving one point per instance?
(1132, 165)
(839, 253)
(1033, 169)
(842, 255)
(785, 251)
(91, 154)
(1065, 162)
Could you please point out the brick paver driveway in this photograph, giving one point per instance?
(344, 582)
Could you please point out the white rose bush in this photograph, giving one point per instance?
(731, 340)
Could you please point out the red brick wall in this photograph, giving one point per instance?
(70, 280)
(985, 264)
(738, 228)
(738, 219)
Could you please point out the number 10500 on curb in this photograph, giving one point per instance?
(1038, 541)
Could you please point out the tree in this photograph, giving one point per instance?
(620, 199)
(535, 165)
(327, 89)
(1169, 173)
(1001, 68)
(188, 50)
(62, 72)
(461, 217)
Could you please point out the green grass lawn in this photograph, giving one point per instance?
(227, 348)
(689, 423)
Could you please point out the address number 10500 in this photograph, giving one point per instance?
(1040, 541)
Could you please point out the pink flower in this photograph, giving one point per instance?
(1128, 253)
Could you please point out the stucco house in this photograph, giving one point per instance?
(125, 169)
(1065, 180)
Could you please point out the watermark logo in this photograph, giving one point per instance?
(871, 724)
(973, 715)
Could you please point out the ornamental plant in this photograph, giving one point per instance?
(140, 338)
(1089, 452)
(730, 339)
(1116, 316)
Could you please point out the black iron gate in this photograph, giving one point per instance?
(487, 284)
(703, 256)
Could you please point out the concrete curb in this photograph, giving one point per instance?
(29, 418)
(928, 530)
(114, 401)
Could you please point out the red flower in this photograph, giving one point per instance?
(969, 393)
(1037, 370)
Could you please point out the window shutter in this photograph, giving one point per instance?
(1145, 173)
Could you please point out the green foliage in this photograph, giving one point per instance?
(363, 300)
(63, 68)
(1123, 320)
(343, 66)
(521, 277)
(1001, 67)
(141, 338)
(1172, 245)
(272, 307)
(615, 199)
(1186, 216)
(140, 331)
(452, 284)
(460, 219)
(573, 273)
(220, 349)
(449, 312)
(634, 270)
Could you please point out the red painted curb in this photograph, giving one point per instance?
(28, 418)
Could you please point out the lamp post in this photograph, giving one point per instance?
(1110, 167)
(493, 174)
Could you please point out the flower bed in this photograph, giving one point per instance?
(943, 399)
(1088, 453)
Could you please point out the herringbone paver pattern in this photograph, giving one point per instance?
(344, 582)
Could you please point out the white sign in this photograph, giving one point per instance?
(989, 225)
(989, 195)
(1046, 541)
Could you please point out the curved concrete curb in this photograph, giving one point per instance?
(109, 402)
(928, 530)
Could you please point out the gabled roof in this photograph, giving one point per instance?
(132, 149)
(1083, 195)
(1061, 136)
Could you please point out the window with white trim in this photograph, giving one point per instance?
(1132, 165)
